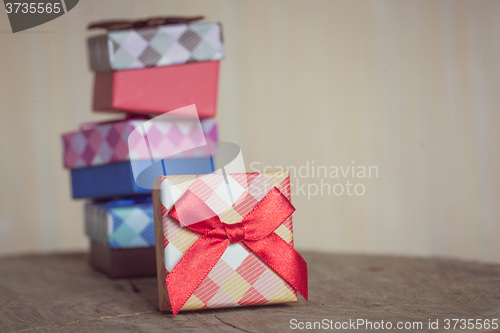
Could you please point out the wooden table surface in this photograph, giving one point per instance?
(50, 293)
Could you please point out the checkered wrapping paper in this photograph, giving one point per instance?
(120, 227)
(108, 142)
(239, 277)
(156, 46)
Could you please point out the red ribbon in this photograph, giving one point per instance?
(256, 231)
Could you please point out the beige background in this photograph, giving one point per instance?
(411, 87)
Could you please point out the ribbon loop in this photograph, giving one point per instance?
(235, 232)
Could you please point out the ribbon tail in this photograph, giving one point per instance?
(283, 259)
(192, 268)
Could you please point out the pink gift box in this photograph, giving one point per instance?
(107, 142)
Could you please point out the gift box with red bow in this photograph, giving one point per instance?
(225, 240)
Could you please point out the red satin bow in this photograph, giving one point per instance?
(256, 230)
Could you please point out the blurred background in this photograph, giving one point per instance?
(410, 87)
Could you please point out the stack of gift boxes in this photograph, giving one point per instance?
(215, 237)
(141, 69)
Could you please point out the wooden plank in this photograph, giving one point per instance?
(62, 292)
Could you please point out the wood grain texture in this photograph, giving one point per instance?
(63, 293)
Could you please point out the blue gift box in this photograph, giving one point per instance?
(121, 224)
(117, 179)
